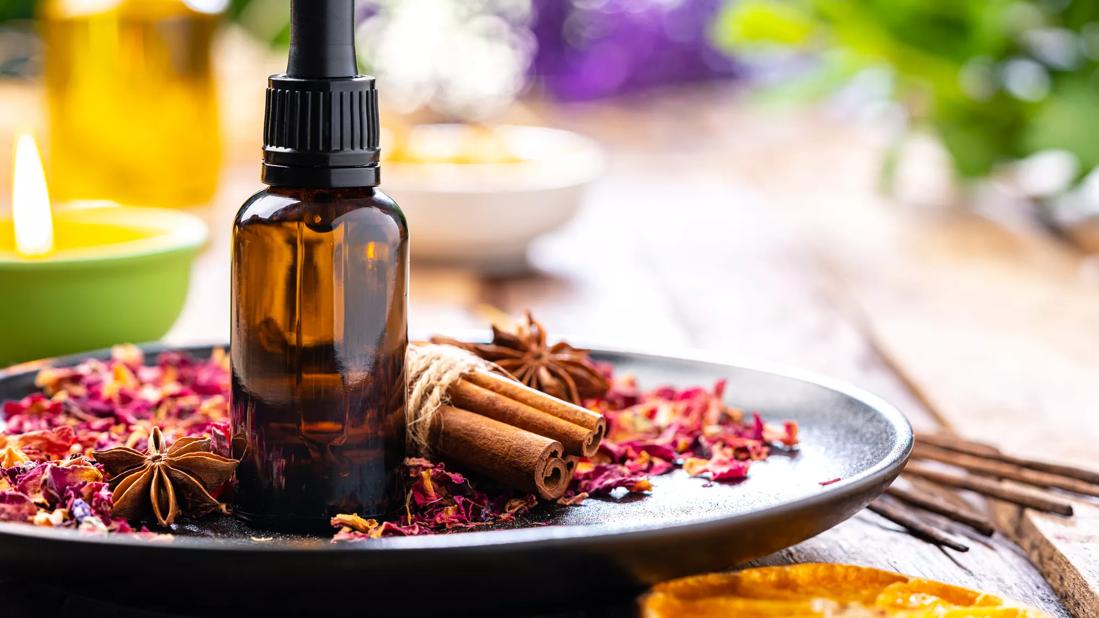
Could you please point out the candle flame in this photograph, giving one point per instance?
(30, 206)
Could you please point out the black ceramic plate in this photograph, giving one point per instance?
(600, 550)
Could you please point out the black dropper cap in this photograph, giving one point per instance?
(321, 125)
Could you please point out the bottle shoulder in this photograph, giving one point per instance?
(316, 206)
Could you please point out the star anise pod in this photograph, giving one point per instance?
(559, 370)
(169, 481)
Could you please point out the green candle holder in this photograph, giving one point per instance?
(119, 274)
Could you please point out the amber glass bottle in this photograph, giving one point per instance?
(320, 271)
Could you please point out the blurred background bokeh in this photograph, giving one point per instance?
(523, 137)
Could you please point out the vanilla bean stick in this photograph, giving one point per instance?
(991, 488)
(974, 520)
(914, 526)
(969, 447)
(1044, 480)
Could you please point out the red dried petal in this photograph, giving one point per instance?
(15, 506)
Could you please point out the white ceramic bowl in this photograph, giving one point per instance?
(484, 215)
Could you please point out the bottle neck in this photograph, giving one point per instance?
(322, 39)
(326, 193)
(320, 177)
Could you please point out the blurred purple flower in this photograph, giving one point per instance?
(593, 49)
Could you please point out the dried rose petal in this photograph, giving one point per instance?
(99, 405)
(354, 522)
(51, 519)
(47, 443)
(15, 506)
(61, 482)
(11, 456)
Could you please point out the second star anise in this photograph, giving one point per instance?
(559, 370)
(166, 481)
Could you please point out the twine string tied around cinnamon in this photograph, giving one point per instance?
(432, 371)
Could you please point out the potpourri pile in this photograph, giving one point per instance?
(48, 475)
(47, 472)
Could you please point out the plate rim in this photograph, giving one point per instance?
(518, 539)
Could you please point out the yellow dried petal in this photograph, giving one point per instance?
(11, 456)
(50, 520)
(695, 465)
(354, 522)
(215, 406)
(128, 353)
(48, 379)
(121, 377)
(220, 358)
(429, 487)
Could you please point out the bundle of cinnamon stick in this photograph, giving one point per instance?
(513, 434)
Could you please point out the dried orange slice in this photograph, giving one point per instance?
(819, 590)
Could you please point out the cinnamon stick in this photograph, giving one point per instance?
(974, 520)
(978, 449)
(1004, 470)
(495, 426)
(991, 488)
(578, 429)
(505, 453)
(914, 526)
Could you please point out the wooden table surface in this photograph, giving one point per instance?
(749, 233)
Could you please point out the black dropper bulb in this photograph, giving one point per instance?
(322, 39)
(321, 128)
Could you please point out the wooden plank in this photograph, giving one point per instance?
(1065, 550)
(1017, 317)
(991, 326)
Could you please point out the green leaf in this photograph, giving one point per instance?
(1068, 119)
(16, 9)
(980, 136)
(755, 23)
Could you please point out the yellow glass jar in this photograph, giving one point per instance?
(132, 100)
